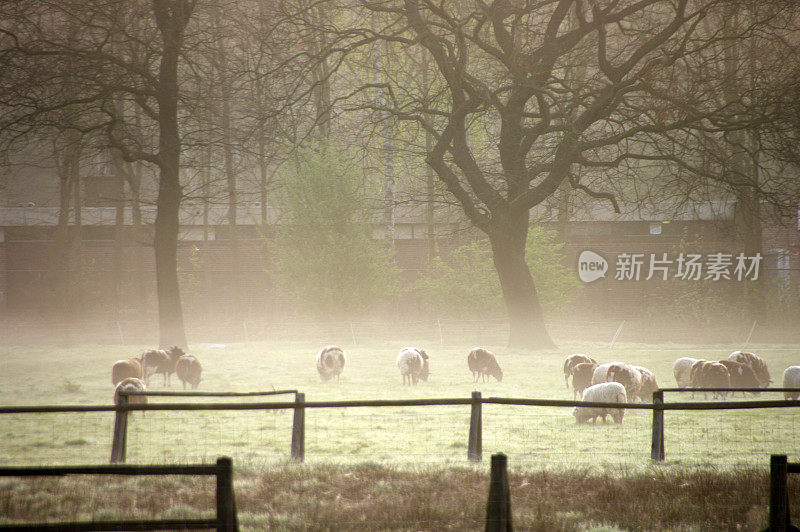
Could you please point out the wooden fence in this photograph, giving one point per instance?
(474, 437)
(225, 521)
(779, 468)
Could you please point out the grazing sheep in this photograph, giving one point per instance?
(582, 377)
(742, 376)
(649, 383)
(188, 369)
(481, 363)
(160, 361)
(330, 362)
(131, 384)
(605, 392)
(681, 369)
(707, 374)
(791, 379)
(755, 362)
(573, 360)
(413, 364)
(123, 369)
(628, 376)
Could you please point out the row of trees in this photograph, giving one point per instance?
(494, 107)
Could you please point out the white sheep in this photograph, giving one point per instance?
(413, 364)
(330, 362)
(604, 392)
(649, 383)
(682, 369)
(791, 379)
(131, 384)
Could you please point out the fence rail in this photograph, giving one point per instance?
(226, 504)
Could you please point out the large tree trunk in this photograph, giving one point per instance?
(171, 19)
(525, 317)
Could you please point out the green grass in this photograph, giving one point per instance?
(531, 436)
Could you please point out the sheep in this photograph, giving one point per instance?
(481, 363)
(160, 361)
(791, 379)
(330, 363)
(573, 360)
(649, 383)
(681, 369)
(755, 362)
(413, 364)
(582, 377)
(626, 375)
(188, 369)
(742, 375)
(604, 392)
(123, 369)
(131, 384)
(707, 374)
(601, 372)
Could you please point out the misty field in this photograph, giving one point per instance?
(538, 437)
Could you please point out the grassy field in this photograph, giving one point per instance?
(402, 452)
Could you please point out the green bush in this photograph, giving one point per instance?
(465, 283)
(325, 256)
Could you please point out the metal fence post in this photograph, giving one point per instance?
(299, 428)
(498, 507)
(120, 437)
(657, 445)
(226, 502)
(475, 443)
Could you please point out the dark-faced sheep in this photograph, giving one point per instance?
(706, 374)
(413, 364)
(582, 377)
(160, 361)
(742, 376)
(188, 369)
(573, 360)
(128, 368)
(330, 363)
(754, 361)
(481, 363)
(131, 384)
(628, 376)
(605, 392)
(791, 379)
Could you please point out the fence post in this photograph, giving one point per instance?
(226, 502)
(120, 438)
(299, 428)
(498, 508)
(657, 445)
(475, 443)
(778, 494)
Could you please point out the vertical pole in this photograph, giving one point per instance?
(226, 503)
(120, 440)
(475, 443)
(778, 494)
(498, 508)
(299, 428)
(657, 445)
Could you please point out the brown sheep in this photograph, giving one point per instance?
(582, 378)
(706, 374)
(131, 384)
(123, 369)
(649, 383)
(754, 361)
(481, 363)
(573, 360)
(628, 376)
(160, 361)
(188, 369)
(742, 375)
(330, 363)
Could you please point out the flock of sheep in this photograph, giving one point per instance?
(616, 382)
(133, 374)
(612, 382)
